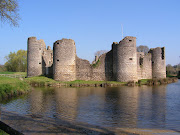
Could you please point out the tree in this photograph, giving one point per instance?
(16, 62)
(99, 53)
(143, 48)
(9, 11)
(170, 70)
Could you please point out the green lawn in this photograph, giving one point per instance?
(14, 73)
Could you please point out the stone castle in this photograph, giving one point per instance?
(122, 63)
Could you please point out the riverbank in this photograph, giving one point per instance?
(44, 81)
(10, 87)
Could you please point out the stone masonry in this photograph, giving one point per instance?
(122, 63)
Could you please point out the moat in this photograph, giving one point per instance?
(154, 107)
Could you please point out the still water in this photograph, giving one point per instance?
(135, 107)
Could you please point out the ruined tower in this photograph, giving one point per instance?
(64, 68)
(114, 50)
(126, 60)
(158, 62)
(34, 57)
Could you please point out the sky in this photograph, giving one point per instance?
(95, 24)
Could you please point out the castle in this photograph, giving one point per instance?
(122, 63)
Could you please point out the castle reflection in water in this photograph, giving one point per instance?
(123, 106)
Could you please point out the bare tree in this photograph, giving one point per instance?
(99, 53)
(143, 48)
(9, 11)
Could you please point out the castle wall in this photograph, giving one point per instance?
(83, 69)
(144, 65)
(48, 61)
(98, 71)
(158, 63)
(102, 70)
(126, 60)
(114, 51)
(34, 57)
(64, 67)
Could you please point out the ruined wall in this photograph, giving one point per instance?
(126, 60)
(48, 60)
(83, 69)
(114, 51)
(144, 65)
(64, 67)
(34, 57)
(101, 70)
(158, 63)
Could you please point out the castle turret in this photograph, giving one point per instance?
(126, 60)
(34, 56)
(158, 62)
(64, 68)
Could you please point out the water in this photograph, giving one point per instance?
(135, 107)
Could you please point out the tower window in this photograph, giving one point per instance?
(130, 40)
(130, 58)
(140, 61)
(57, 59)
(39, 62)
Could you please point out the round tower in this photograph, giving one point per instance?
(126, 61)
(158, 63)
(64, 68)
(34, 56)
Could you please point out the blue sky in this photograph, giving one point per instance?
(95, 24)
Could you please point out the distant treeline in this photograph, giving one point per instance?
(173, 70)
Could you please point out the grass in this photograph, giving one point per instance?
(96, 64)
(144, 81)
(42, 80)
(3, 133)
(93, 82)
(14, 73)
(12, 87)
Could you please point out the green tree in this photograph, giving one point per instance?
(170, 70)
(9, 11)
(16, 62)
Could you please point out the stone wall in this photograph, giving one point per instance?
(144, 66)
(101, 70)
(64, 67)
(83, 69)
(47, 59)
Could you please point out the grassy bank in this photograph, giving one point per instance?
(12, 87)
(44, 81)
